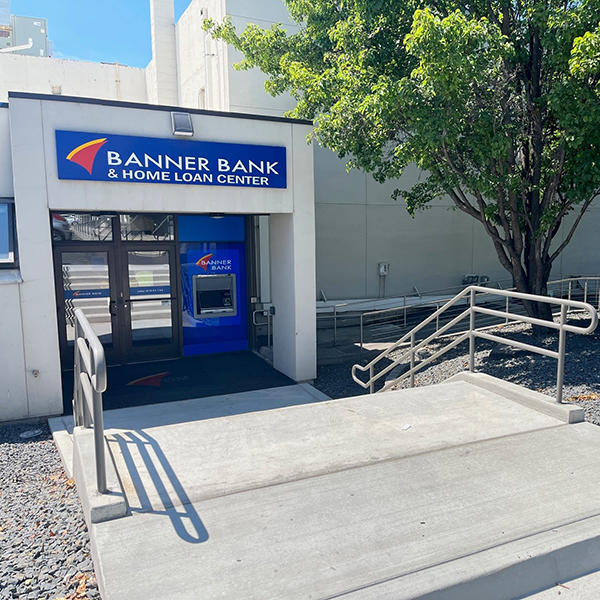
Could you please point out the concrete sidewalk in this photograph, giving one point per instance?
(450, 491)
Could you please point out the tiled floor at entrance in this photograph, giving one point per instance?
(182, 379)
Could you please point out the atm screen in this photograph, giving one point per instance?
(214, 296)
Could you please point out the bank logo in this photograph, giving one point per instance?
(150, 380)
(85, 155)
(204, 261)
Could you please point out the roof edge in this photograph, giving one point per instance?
(159, 107)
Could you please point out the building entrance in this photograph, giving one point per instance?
(122, 272)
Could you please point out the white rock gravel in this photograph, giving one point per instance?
(44, 544)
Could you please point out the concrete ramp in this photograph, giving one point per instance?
(451, 491)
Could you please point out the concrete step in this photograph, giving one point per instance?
(492, 519)
(474, 489)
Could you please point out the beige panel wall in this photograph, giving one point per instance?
(582, 255)
(341, 250)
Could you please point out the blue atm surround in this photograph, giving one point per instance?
(213, 246)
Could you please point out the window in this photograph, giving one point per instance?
(8, 253)
(147, 227)
(67, 227)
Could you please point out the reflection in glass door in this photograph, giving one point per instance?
(85, 282)
(150, 293)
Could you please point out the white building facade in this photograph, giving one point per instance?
(157, 230)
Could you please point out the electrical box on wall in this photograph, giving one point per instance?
(383, 269)
(214, 296)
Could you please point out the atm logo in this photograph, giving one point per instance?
(85, 154)
(204, 261)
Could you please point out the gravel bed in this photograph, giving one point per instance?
(533, 371)
(44, 544)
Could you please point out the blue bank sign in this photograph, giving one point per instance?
(123, 158)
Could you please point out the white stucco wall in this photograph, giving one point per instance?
(162, 77)
(20, 73)
(13, 391)
(202, 61)
(37, 189)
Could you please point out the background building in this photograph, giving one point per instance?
(23, 35)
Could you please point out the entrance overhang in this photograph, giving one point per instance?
(41, 188)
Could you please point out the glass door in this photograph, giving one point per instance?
(149, 286)
(86, 280)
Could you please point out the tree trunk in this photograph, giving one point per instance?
(534, 280)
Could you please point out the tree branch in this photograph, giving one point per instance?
(572, 230)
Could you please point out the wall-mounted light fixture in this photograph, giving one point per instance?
(182, 123)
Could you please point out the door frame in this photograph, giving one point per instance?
(150, 353)
(121, 350)
(66, 352)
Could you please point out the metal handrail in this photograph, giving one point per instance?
(424, 297)
(88, 385)
(472, 333)
(437, 303)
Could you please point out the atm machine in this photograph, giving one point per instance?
(213, 281)
(215, 296)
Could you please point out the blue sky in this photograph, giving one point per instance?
(105, 30)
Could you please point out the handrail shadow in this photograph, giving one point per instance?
(187, 523)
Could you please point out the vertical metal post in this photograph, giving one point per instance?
(404, 311)
(76, 395)
(560, 367)
(334, 325)
(507, 308)
(99, 443)
(412, 360)
(361, 331)
(585, 291)
(472, 334)
(269, 336)
(371, 382)
(87, 418)
(437, 318)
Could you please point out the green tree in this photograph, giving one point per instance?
(496, 100)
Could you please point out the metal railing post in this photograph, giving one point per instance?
(99, 443)
(269, 333)
(507, 308)
(472, 333)
(89, 383)
(361, 331)
(335, 325)
(412, 360)
(372, 383)
(76, 383)
(560, 367)
(585, 288)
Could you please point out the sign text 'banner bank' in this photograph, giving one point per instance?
(123, 158)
